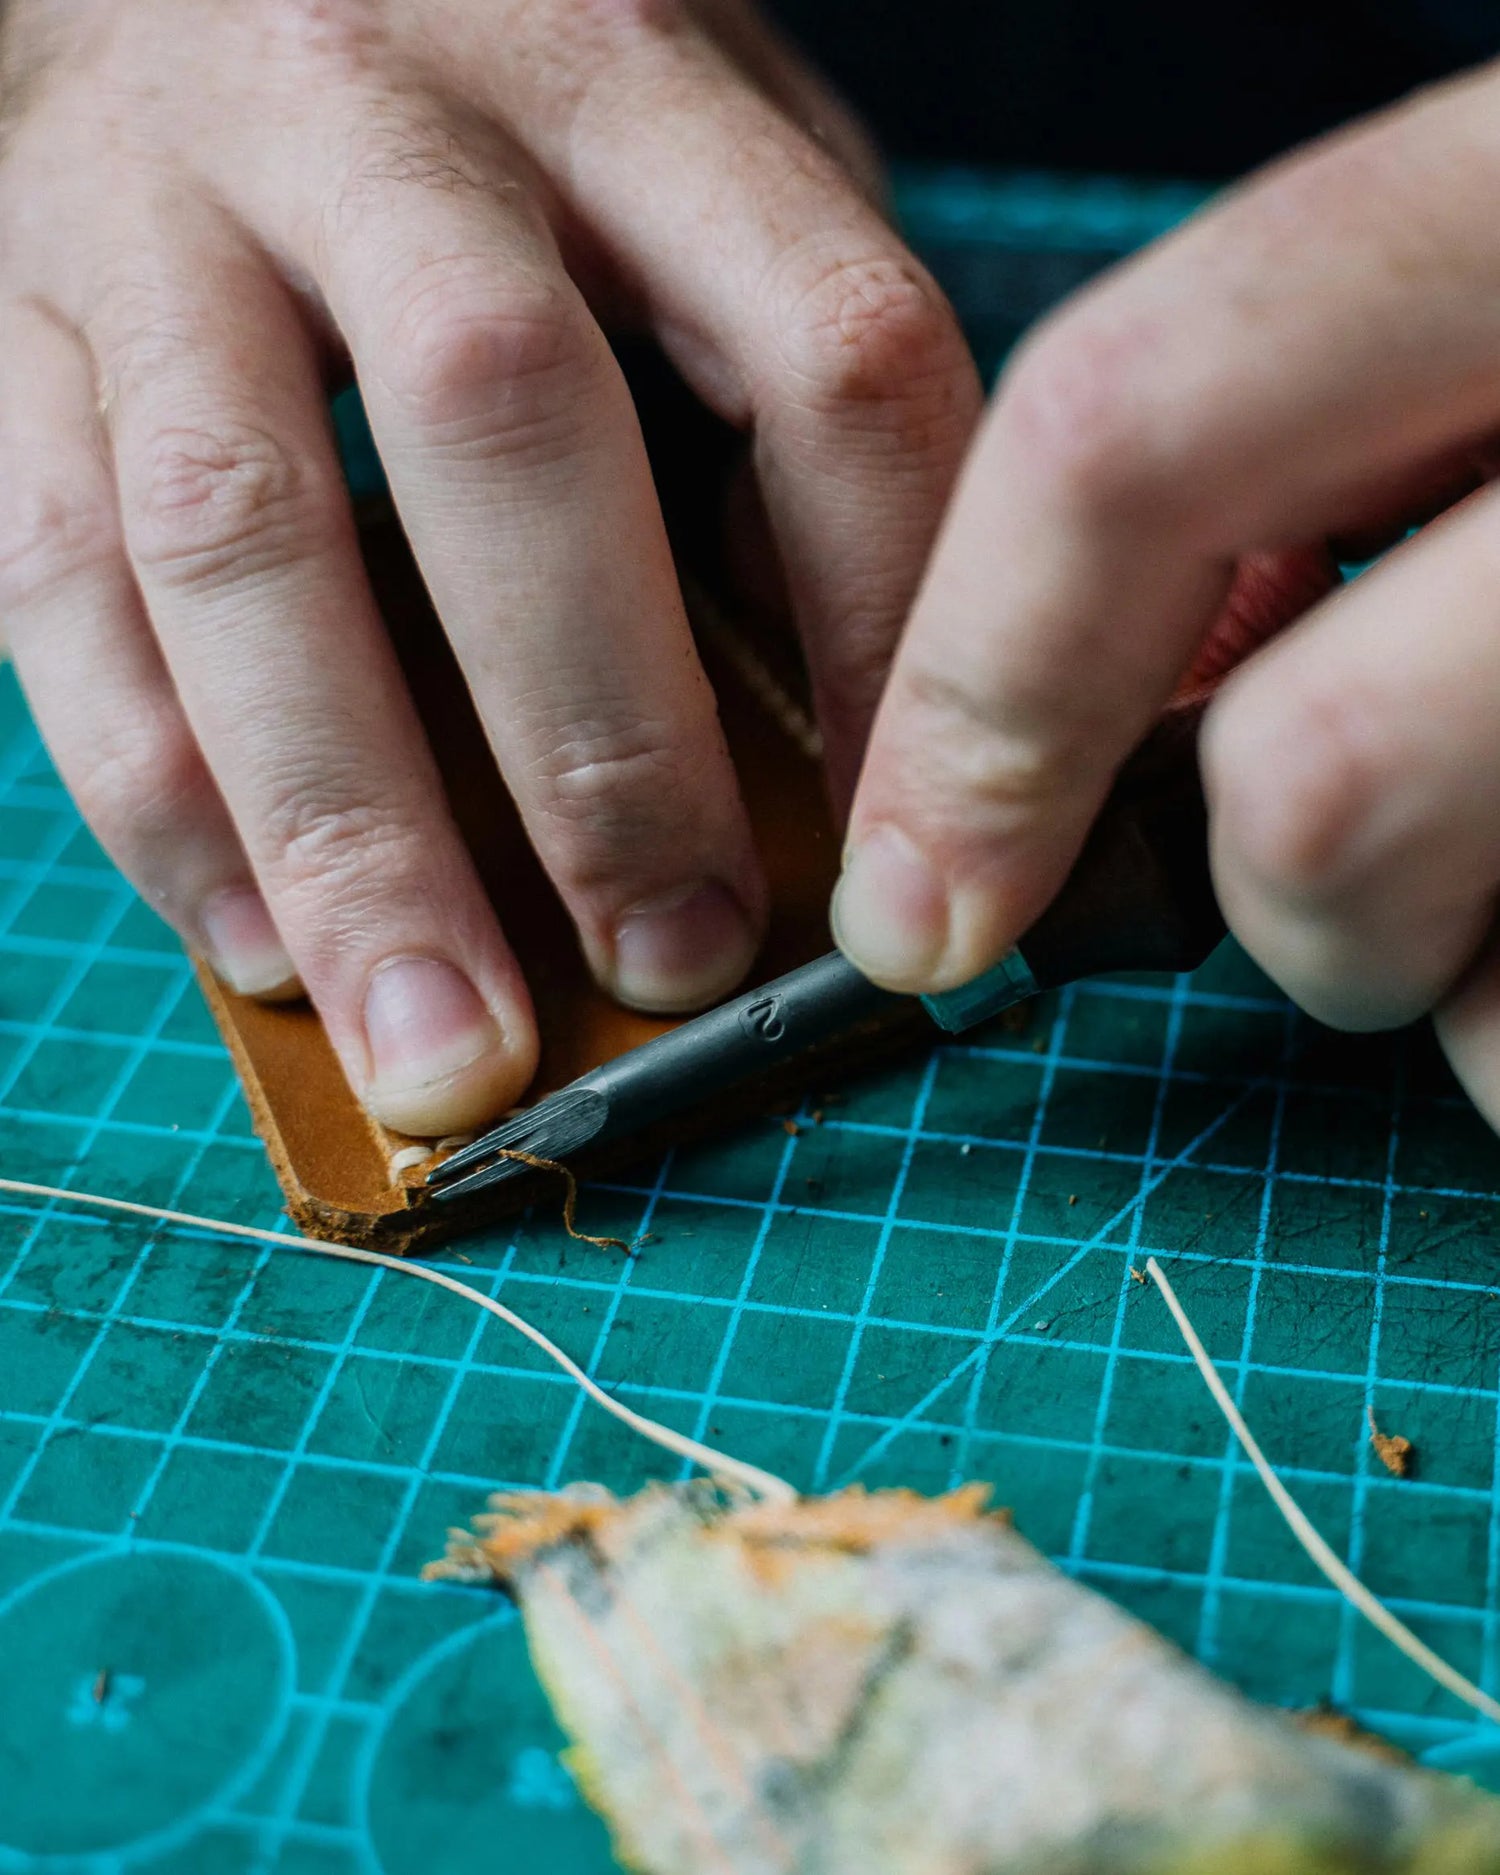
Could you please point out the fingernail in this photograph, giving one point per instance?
(890, 911)
(682, 951)
(244, 949)
(435, 1049)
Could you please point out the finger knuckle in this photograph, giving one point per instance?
(986, 755)
(870, 330)
(1294, 780)
(613, 793)
(49, 533)
(1071, 408)
(207, 504)
(464, 347)
(140, 786)
(313, 839)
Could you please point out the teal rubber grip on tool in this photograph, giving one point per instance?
(995, 990)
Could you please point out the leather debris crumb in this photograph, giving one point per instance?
(1393, 1449)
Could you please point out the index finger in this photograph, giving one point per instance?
(788, 303)
(1248, 383)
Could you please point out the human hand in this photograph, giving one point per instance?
(1314, 359)
(207, 209)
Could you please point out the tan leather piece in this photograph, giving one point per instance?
(333, 1161)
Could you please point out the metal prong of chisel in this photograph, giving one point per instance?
(707, 1054)
(690, 1063)
(553, 1129)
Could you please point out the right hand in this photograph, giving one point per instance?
(1312, 363)
(209, 208)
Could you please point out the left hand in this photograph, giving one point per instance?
(210, 210)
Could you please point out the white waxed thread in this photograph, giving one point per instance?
(1337, 1571)
(718, 1464)
(407, 1157)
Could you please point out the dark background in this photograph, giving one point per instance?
(1189, 88)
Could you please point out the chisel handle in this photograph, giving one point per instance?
(1140, 895)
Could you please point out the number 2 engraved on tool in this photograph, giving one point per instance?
(762, 1021)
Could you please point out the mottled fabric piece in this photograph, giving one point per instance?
(883, 1684)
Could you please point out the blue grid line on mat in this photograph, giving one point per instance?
(1078, 1539)
(838, 1407)
(1051, 1056)
(740, 1302)
(1233, 1463)
(1344, 1670)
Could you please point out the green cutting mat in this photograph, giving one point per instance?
(221, 1469)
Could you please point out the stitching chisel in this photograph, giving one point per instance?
(1139, 897)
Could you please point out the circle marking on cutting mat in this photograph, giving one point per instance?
(141, 1687)
(464, 1772)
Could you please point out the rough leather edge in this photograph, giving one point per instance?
(415, 1220)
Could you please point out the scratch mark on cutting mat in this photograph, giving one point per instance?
(1065, 1269)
